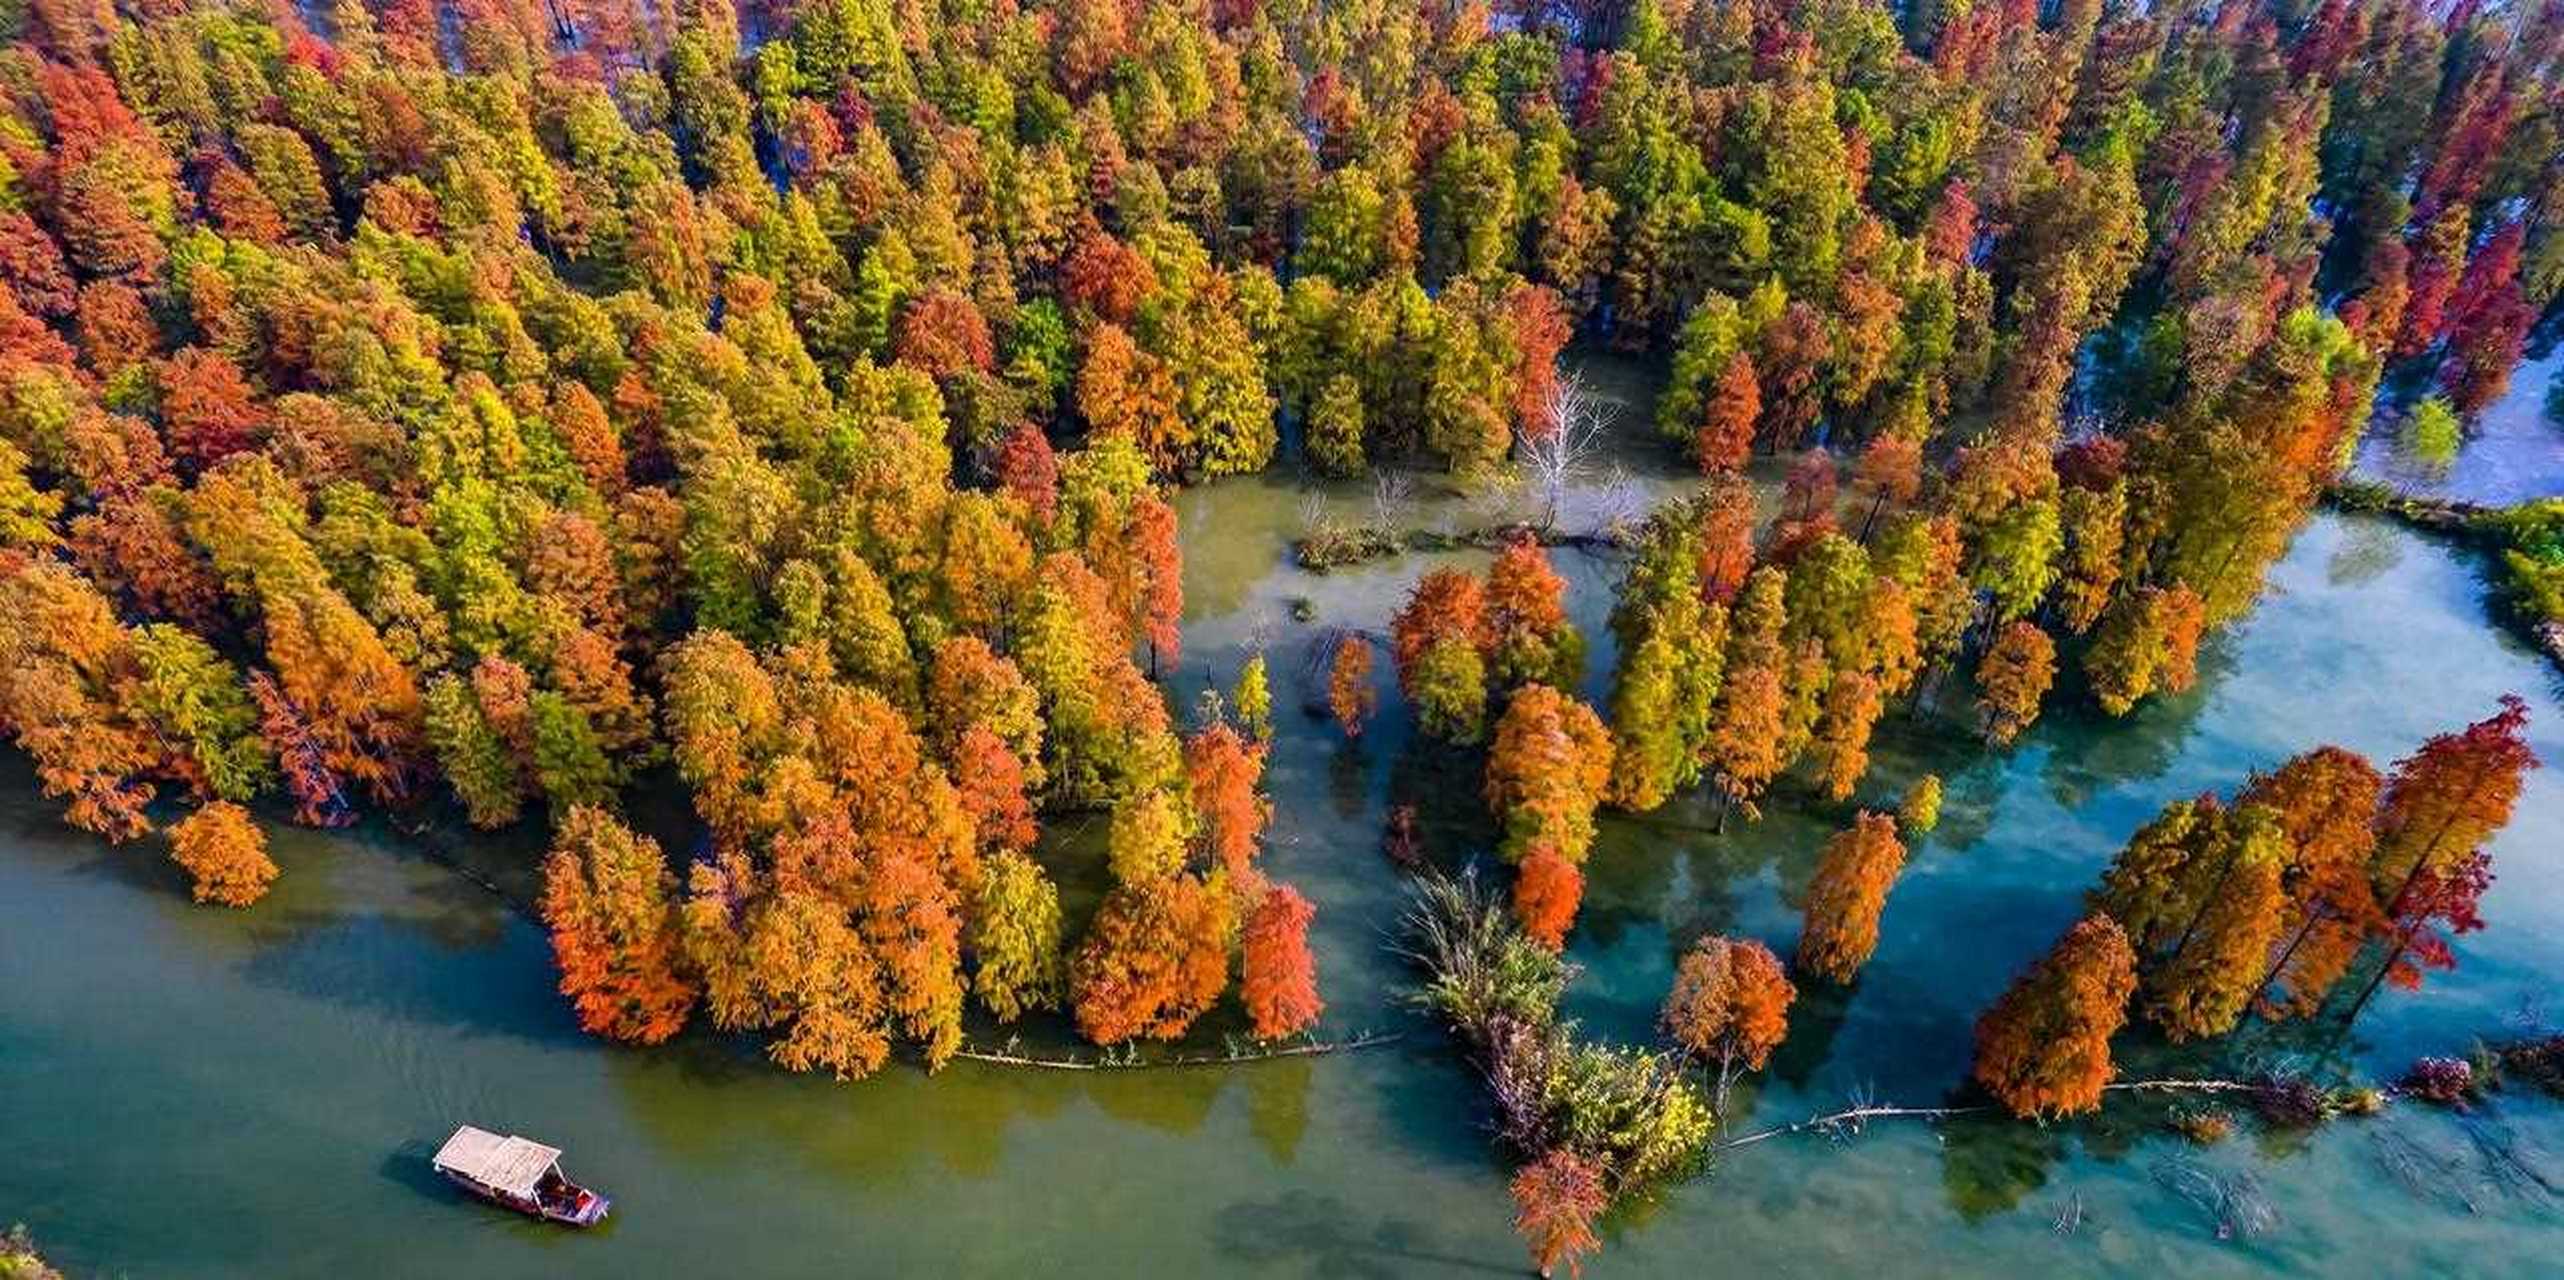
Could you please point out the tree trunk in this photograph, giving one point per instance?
(2403, 942)
(2207, 900)
(2412, 922)
(2314, 917)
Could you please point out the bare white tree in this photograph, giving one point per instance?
(1315, 517)
(1557, 458)
(1390, 491)
(1621, 506)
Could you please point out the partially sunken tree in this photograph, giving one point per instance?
(2043, 1049)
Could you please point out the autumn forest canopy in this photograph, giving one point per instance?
(479, 408)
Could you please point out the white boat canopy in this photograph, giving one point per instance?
(511, 1164)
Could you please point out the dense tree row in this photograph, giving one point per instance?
(505, 399)
(419, 408)
(2264, 904)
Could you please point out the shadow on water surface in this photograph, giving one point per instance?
(374, 961)
(1325, 1233)
(1989, 1164)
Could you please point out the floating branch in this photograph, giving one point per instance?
(1131, 1059)
(2234, 1203)
(1335, 547)
(1850, 1119)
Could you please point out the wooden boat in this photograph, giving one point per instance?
(520, 1174)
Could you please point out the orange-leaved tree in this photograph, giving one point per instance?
(1527, 636)
(1349, 693)
(2012, 678)
(611, 904)
(1556, 1201)
(2441, 804)
(1729, 417)
(1729, 1006)
(1224, 771)
(1842, 742)
(1747, 722)
(1845, 898)
(1546, 773)
(2325, 802)
(2203, 987)
(1546, 890)
(224, 852)
(2043, 1049)
(1438, 643)
(1155, 958)
(1277, 980)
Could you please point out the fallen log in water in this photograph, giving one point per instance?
(1336, 549)
(1852, 1118)
(1310, 1049)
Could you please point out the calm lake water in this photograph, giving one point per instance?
(2512, 452)
(186, 1091)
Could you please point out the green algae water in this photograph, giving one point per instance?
(193, 1092)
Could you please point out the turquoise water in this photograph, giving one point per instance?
(2512, 452)
(185, 1091)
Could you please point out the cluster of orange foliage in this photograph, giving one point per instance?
(1547, 889)
(1731, 417)
(1155, 959)
(2213, 910)
(225, 853)
(2442, 803)
(1847, 894)
(1349, 694)
(612, 906)
(2043, 1049)
(1224, 770)
(2325, 803)
(2012, 678)
(1557, 1199)
(1277, 980)
(1460, 643)
(1188, 896)
(1729, 1005)
(1545, 777)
